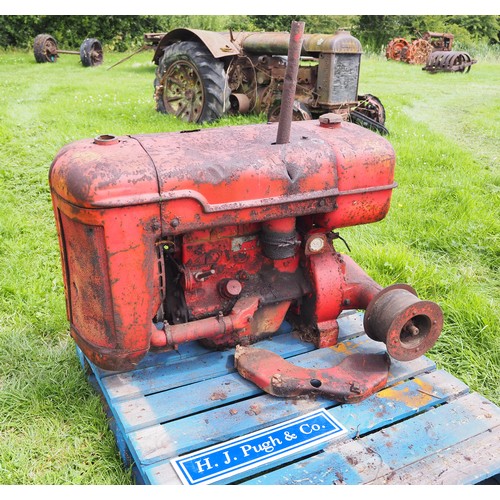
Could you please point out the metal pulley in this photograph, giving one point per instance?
(407, 325)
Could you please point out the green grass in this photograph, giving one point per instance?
(441, 236)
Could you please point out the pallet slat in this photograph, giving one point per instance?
(468, 462)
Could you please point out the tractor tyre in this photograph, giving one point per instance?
(191, 84)
(91, 52)
(45, 49)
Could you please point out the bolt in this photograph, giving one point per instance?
(355, 388)
(233, 288)
(414, 331)
(411, 329)
(315, 245)
(242, 275)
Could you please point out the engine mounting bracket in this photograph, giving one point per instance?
(355, 378)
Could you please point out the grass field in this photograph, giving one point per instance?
(442, 236)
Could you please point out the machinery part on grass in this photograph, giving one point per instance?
(365, 121)
(418, 52)
(433, 50)
(300, 112)
(91, 52)
(370, 113)
(449, 61)
(251, 69)
(191, 84)
(126, 58)
(396, 49)
(45, 50)
(439, 41)
(354, 379)
(372, 107)
(240, 103)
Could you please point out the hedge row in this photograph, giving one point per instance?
(126, 32)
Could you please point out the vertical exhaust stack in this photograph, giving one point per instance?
(290, 84)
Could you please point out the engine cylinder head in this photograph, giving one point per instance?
(407, 325)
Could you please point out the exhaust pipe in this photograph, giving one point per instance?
(290, 83)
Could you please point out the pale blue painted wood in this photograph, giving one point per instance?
(185, 372)
(384, 453)
(141, 411)
(203, 400)
(188, 371)
(165, 406)
(395, 403)
(155, 442)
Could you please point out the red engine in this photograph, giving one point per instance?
(220, 235)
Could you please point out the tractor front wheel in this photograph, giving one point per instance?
(191, 84)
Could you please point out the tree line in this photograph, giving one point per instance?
(123, 33)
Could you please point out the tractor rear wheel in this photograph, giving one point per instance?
(419, 51)
(396, 49)
(191, 84)
(45, 49)
(91, 52)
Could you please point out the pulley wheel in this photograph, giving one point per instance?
(407, 325)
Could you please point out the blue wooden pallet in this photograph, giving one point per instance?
(424, 427)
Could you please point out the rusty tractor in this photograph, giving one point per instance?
(203, 75)
(222, 235)
(46, 50)
(433, 50)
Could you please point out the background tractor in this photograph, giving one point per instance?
(204, 75)
(433, 50)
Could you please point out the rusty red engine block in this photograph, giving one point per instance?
(220, 235)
